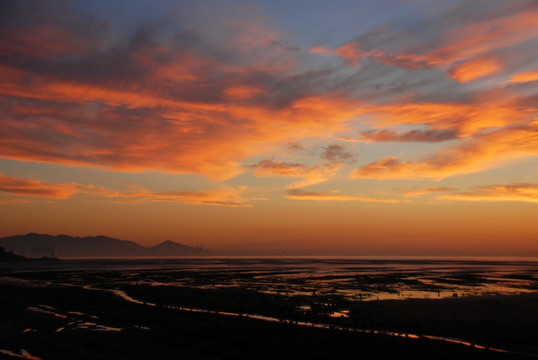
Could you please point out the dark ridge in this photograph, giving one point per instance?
(44, 245)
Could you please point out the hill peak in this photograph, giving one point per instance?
(38, 245)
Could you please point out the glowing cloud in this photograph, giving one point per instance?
(410, 136)
(510, 192)
(145, 102)
(428, 190)
(475, 69)
(311, 174)
(473, 155)
(35, 188)
(525, 76)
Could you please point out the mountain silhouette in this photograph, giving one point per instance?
(37, 245)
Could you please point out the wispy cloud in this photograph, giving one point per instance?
(34, 188)
(311, 174)
(525, 76)
(431, 135)
(176, 96)
(427, 190)
(13, 201)
(473, 155)
(194, 102)
(476, 68)
(298, 194)
(471, 34)
(336, 152)
(509, 192)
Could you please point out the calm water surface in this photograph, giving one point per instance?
(350, 278)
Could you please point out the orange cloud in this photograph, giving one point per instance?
(469, 156)
(428, 190)
(182, 122)
(485, 111)
(140, 101)
(219, 197)
(525, 76)
(351, 53)
(510, 192)
(298, 194)
(410, 136)
(242, 92)
(476, 68)
(514, 26)
(34, 188)
(311, 174)
(320, 50)
(467, 44)
(170, 135)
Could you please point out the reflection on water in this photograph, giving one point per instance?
(76, 320)
(23, 355)
(339, 314)
(354, 279)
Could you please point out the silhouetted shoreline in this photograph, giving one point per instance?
(10, 257)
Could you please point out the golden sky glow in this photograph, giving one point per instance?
(360, 129)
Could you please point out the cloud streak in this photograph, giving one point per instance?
(510, 192)
(427, 190)
(466, 41)
(298, 194)
(34, 188)
(410, 136)
(336, 152)
(311, 174)
(476, 154)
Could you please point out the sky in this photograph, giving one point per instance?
(391, 127)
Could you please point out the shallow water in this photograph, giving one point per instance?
(351, 278)
(320, 289)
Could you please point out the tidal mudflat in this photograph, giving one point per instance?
(269, 308)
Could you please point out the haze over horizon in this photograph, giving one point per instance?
(395, 127)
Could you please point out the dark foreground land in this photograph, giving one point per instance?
(68, 322)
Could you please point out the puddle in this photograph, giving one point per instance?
(340, 314)
(23, 355)
(73, 323)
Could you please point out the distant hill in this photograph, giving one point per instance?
(38, 245)
(169, 247)
(9, 256)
